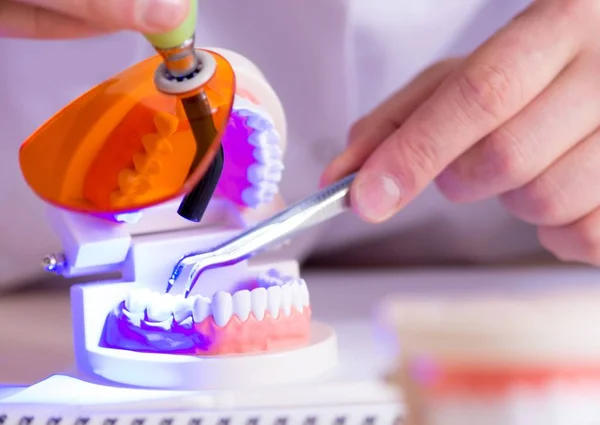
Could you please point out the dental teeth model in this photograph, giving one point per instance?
(273, 312)
(114, 178)
(269, 313)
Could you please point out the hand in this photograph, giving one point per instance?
(518, 119)
(80, 18)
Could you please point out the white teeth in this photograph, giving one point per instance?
(264, 138)
(161, 308)
(259, 302)
(187, 323)
(286, 299)
(242, 304)
(275, 151)
(261, 155)
(137, 300)
(255, 195)
(269, 187)
(277, 294)
(182, 308)
(252, 197)
(274, 300)
(257, 173)
(304, 292)
(135, 318)
(266, 172)
(222, 308)
(275, 176)
(201, 309)
(296, 296)
(267, 155)
(259, 123)
(165, 325)
(277, 166)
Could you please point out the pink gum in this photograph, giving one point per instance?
(247, 95)
(252, 335)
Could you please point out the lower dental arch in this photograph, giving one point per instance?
(271, 312)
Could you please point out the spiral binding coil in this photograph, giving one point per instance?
(381, 415)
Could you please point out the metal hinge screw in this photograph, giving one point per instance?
(54, 263)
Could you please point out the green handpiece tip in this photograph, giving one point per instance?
(178, 35)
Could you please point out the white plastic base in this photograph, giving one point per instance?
(93, 302)
(352, 393)
(166, 371)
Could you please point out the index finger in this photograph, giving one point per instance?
(148, 16)
(489, 87)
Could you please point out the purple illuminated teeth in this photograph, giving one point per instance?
(253, 157)
(265, 173)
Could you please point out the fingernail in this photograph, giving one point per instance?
(163, 14)
(377, 196)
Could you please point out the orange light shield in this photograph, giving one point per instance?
(123, 146)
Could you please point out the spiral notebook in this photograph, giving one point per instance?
(91, 403)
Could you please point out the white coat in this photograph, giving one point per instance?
(330, 61)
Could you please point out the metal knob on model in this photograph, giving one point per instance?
(54, 263)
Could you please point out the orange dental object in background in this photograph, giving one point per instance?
(124, 146)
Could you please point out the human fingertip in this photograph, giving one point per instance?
(324, 181)
(376, 196)
(334, 171)
(163, 15)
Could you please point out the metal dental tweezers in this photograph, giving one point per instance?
(322, 206)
